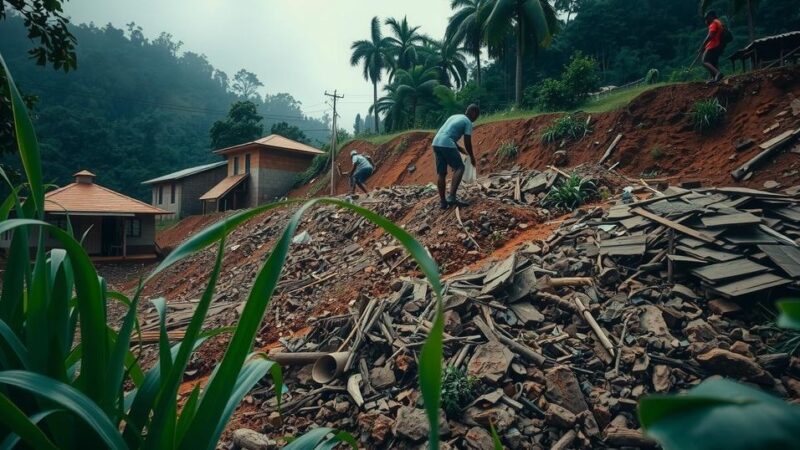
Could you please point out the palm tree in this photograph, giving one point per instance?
(391, 108)
(738, 6)
(375, 55)
(531, 20)
(414, 85)
(447, 57)
(466, 26)
(404, 43)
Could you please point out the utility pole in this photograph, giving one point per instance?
(335, 97)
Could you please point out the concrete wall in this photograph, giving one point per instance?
(167, 204)
(192, 187)
(146, 242)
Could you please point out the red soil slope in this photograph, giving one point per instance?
(658, 138)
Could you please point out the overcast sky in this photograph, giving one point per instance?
(297, 46)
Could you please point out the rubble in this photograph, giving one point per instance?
(565, 336)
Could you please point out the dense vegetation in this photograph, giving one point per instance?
(135, 108)
(620, 42)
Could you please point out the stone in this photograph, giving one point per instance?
(412, 424)
(560, 158)
(723, 307)
(559, 416)
(381, 377)
(734, 365)
(478, 439)
(608, 276)
(741, 348)
(452, 321)
(499, 417)
(661, 378)
(563, 389)
(247, 439)
(652, 321)
(699, 330)
(771, 184)
(490, 361)
(378, 426)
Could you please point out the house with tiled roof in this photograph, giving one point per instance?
(110, 223)
(258, 172)
(179, 192)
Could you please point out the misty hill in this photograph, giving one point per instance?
(134, 108)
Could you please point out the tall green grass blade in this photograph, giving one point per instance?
(14, 347)
(170, 384)
(251, 373)
(164, 356)
(22, 426)
(311, 440)
(27, 144)
(495, 438)
(188, 411)
(70, 399)
(338, 438)
(11, 441)
(121, 349)
(90, 305)
(220, 385)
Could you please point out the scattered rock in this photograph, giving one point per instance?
(490, 361)
(563, 389)
(734, 365)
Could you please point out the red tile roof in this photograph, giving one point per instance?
(84, 173)
(93, 198)
(276, 142)
(223, 187)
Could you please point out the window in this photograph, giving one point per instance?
(133, 228)
(173, 188)
(7, 235)
(161, 195)
(247, 163)
(235, 165)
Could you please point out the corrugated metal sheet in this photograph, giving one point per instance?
(185, 172)
(223, 187)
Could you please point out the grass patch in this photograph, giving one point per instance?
(569, 126)
(458, 390)
(570, 194)
(380, 139)
(508, 150)
(619, 99)
(657, 152)
(707, 114)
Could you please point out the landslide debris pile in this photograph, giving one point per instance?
(341, 254)
(554, 345)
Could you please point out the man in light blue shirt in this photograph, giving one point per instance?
(446, 151)
(362, 169)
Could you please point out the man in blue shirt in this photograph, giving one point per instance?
(446, 150)
(362, 169)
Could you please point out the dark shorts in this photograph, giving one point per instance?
(446, 156)
(361, 175)
(712, 55)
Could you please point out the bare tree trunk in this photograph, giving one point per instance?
(750, 24)
(520, 42)
(478, 60)
(375, 104)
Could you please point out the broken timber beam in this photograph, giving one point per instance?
(770, 148)
(674, 225)
(610, 149)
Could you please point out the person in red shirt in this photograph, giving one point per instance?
(712, 47)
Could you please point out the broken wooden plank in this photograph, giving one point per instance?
(610, 149)
(731, 220)
(751, 285)
(705, 253)
(674, 225)
(499, 275)
(767, 153)
(716, 273)
(784, 256)
(741, 236)
(624, 246)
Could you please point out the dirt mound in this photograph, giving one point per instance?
(169, 238)
(659, 140)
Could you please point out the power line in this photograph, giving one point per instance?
(335, 97)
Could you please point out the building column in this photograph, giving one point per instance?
(124, 238)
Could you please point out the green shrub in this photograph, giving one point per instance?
(570, 193)
(579, 79)
(686, 75)
(458, 390)
(61, 391)
(508, 150)
(707, 114)
(657, 152)
(652, 76)
(568, 126)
